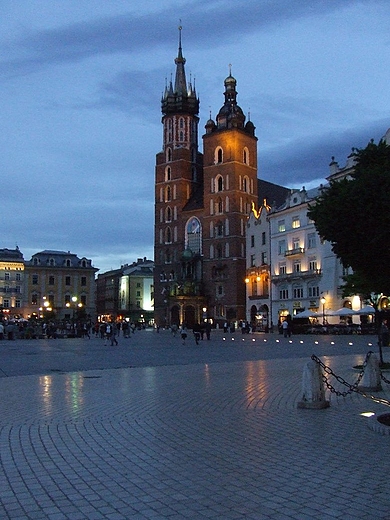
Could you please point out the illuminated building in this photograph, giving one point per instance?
(127, 293)
(202, 204)
(11, 283)
(60, 285)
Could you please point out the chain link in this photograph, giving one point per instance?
(351, 388)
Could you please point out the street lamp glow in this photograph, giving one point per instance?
(323, 301)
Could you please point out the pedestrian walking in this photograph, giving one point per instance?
(183, 333)
(197, 332)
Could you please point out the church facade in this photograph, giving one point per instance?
(202, 204)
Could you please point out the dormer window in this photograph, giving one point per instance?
(36, 261)
(52, 262)
(68, 263)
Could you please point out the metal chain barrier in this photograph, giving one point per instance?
(351, 388)
(384, 379)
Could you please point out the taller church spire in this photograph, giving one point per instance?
(180, 97)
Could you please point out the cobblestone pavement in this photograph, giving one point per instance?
(198, 439)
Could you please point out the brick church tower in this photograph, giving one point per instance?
(202, 203)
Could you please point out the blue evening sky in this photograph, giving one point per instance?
(80, 90)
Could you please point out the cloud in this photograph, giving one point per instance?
(302, 161)
(131, 33)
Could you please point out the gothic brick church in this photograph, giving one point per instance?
(202, 204)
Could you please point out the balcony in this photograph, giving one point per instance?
(295, 251)
(297, 275)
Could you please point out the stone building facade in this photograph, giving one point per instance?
(61, 283)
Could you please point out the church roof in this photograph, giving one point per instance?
(273, 193)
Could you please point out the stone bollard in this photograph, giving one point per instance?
(371, 380)
(313, 393)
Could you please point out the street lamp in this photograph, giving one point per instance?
(323, 301)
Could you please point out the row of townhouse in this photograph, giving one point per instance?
(289, 268)
(51, 284)
(62, 286)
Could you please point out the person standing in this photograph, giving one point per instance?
(384, 334)
(286, 329)
(208, 329)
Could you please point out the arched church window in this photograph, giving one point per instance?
(168, 235)
(193, 235)
(219, 229)
(218, 157)
(168, 173)
(168, 214)
(169, 155)
(245, 156)
(219, 183)
(181, 123)
(167, 194)
(219, 206)
(245, 184)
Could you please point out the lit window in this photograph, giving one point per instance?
(296, 223)
(281, 226)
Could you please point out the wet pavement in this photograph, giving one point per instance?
(154, 429)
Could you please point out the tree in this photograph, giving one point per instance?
(354, 215)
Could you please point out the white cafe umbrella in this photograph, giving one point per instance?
(307, 314)
(368, 309)
(344, 311)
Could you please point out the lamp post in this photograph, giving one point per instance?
(323, 301)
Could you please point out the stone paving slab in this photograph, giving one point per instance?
(199, 441)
